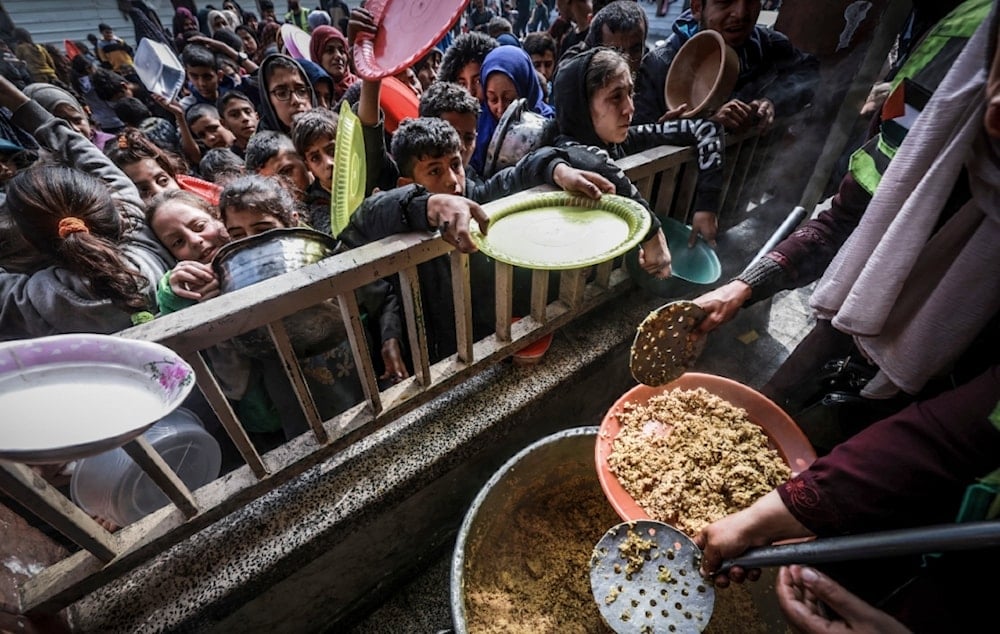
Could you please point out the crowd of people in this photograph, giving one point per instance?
(248, 145)
(116, 201)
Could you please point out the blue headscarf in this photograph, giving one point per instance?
(516, 64)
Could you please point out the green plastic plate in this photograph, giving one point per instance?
(557, 230)
(349, 172)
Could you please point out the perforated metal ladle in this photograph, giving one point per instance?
(645, 575)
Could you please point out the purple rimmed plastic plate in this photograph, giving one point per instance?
(66, 397)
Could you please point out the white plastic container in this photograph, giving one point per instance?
(112, 486)
(159, 69)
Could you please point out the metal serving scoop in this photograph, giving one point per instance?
(665, 343)
(645, 575)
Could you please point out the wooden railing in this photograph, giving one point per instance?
(665, 176)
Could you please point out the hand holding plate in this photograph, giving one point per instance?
(361, 21)
(586, 183)
(452, 214)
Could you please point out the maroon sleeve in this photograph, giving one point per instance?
(802, 257)
(909, 469)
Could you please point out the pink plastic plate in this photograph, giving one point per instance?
(407, 29)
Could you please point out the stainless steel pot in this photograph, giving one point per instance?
(245, 262)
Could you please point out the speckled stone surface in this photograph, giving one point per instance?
(321, 546)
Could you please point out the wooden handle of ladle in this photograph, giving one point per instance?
(910, 541)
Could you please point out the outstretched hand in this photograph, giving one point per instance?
(451, 215)
(722, 304)
(392, 359)
(706, 225)
(589, 184)
(803, 594)
(674, 113)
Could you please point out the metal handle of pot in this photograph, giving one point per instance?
(910, 541)
(783, 231)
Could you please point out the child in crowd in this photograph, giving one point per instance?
(455, 105)
(464, 59)
(240, 117)
(112, 50)
(427, 68)
(428, 153)
(65, 106)
(253, 204)
(602, 79)
(203, 76)
(154, 170)
(271, 153)
(206, 127)
(506, 75)
(98, 262)
(190, 228)
(131, 111)
(221, 166)
(314, 136)
(285, 91)
(541, 48)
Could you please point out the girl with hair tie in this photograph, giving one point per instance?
(98, 261)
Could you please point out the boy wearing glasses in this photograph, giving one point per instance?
(285, 92)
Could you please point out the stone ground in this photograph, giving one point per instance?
(748, 349)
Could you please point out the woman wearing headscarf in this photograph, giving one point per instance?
(328, 48)
(185, 24)
(147, 24)
(507, 74)
(222, 20)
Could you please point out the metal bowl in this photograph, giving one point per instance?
(519, 132)
(245, 262)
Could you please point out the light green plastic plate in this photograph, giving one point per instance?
(349, 172)
(557, 230)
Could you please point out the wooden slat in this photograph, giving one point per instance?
(571, 287)
(414, 311)
(685, 195)
(224, 412)
(462, 289)
(663, 205)
(539, 294)
(350, 312)
(645, 187)
(504, 299)
(737, 198)
(162, 475)
(290, 363)
(44, 500)
(603, 276)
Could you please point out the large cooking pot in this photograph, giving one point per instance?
(245, 262)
